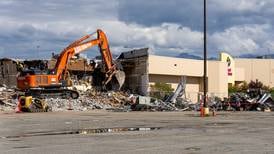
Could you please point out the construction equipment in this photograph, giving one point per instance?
(56, 81)
(30, 104)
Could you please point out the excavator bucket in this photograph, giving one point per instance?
(120, 77)
(115, 81)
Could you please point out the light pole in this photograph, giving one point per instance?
(205, 106)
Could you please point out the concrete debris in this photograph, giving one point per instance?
(124, 102)
(91, 99)
(8, 72)
(244, 102)
(8, 99)
(179, 92)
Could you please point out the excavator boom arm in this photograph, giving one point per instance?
(83, 44)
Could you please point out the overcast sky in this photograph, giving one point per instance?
(35, 28)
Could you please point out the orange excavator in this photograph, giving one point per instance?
(56, 81)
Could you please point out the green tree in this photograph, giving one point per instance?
(272, 92)
(158, 86)
(244, 87)
(252, 85)
(233, 89)
(160, 90)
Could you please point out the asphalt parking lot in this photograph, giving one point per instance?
(137, 132)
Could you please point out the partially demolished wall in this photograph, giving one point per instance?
(8, 72)
(135, 65)
(79, 68)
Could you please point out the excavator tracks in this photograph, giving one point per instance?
(53, 93)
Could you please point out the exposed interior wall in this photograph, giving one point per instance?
(79, 64)
(135, 65)
(8, 72)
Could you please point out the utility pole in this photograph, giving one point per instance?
(205, 107)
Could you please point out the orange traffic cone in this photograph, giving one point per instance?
(202, 114)
(18, 108)
(70, 106)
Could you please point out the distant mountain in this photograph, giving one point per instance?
(213, 58)
(269, 56)
(189, 56)
(248, 56)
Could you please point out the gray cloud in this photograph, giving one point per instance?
(154, 12)
(222, 14)
(33, 28)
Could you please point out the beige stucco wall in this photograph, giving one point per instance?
(169, 79)
(174, 66)
(169, 70)
(217, 79)
(261, 69)
(239, 74)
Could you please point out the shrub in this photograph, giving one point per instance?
(160, 90)
(252, 85)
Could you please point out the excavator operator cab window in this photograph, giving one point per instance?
(27, 72)
(52, 72)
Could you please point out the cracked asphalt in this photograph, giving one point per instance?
(137, 132)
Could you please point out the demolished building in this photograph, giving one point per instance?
(78, 66)
(8, 72)
(143, 70)
(9, 68)
(135, 65)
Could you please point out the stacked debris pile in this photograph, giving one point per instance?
(90, 100)
(113, 101)
(242, 102)
(261, 101)
(8, 72)
(246, 102)
(8, 98)
(93, 100)
(144, 103)
(252, 96)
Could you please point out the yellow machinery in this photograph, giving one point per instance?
(30, 104)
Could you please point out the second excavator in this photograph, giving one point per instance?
(56, 81)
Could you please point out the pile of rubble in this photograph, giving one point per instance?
(92, 100)
(8, 98)
(125, 102)
(113, 101)
(245, 102)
